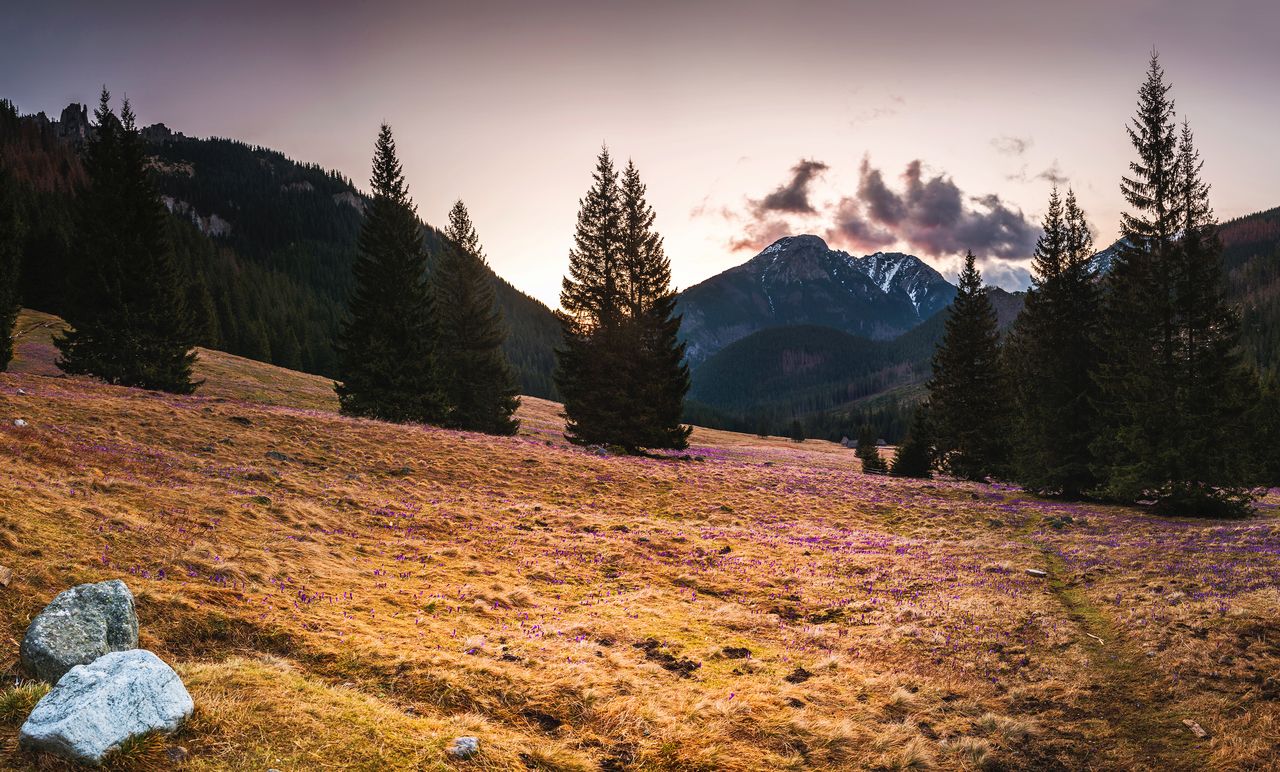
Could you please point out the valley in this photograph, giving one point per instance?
(351, 594)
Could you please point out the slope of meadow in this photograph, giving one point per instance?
(349, 594)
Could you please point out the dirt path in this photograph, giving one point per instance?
(1124, 692)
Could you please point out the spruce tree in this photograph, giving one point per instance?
(591, 364)
(130, 324)
(658, 378)
(387, 342)
(1216, 390)
(11, 233)
(797, 431)
(1052, 352)
(914, 456)
(868, 452)
(1172, 391)
(967, 391)
(479, 385)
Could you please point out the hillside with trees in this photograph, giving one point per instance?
(264, 244)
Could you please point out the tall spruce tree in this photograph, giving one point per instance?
(658, 378)
(1052, 353)
(591, 362)
(11, 233)
(968, 396)
(130, 324)
(479, 386)
(1172, 392)
(387, 344)
(1216, 390)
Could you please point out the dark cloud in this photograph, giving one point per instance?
(930, 214)
(792, 197)
(925, 212)
(854, 231)
(1011, 145)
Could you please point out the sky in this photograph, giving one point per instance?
(926, 126)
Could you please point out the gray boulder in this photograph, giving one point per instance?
(95, 708)
(80, 625)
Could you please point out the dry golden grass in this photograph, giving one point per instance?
(348, 594)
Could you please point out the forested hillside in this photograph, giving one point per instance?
(830, 380)
(266, 243)
(1251, 257)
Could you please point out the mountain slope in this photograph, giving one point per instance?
(799, 280)
(763, 381)
(266, 243)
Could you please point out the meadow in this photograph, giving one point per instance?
(348, 594)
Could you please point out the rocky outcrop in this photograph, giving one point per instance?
(79, 626)
(95, 708)
(74, 123)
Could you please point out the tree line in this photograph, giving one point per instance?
(1128, 387)
(269, 280)
(422, 339)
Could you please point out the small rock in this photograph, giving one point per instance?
(1037, 573)
(95, 708)
(1195, 728)
(6, 576)
(22, 392)
(464, 747)
(177, 754)
(80, 625)
(239, 419)
(276, 455)
(18, 422)
(736, 652)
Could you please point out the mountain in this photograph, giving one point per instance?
(266, 243)
(907, 277)
(799, 280)
(832, 379)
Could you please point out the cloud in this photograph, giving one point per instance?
(922, 211)
(792, 197)
(1011, 145)
(758, 234)
(930, 214)
(1053, 174)
(875, 113)
(1000, 273)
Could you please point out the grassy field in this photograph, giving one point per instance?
(347, 594)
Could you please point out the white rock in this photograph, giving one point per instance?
(96, 707)
(18, 422)
(464, 747)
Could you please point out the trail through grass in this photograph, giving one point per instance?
(1124, 691)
